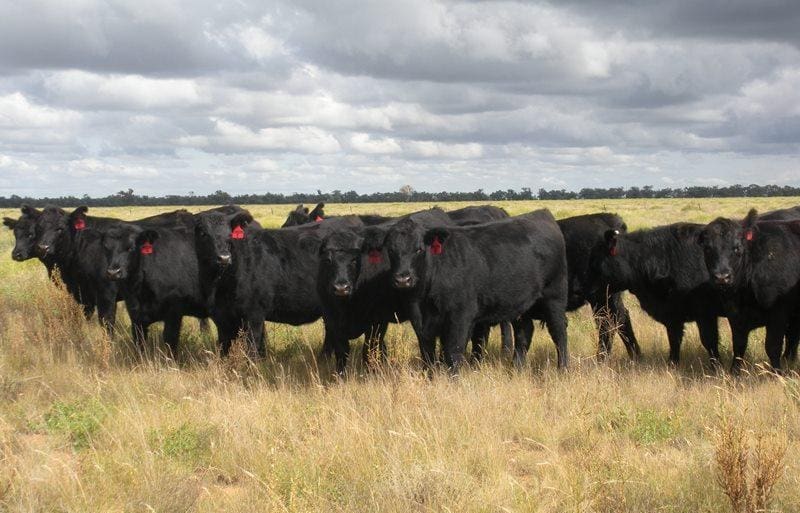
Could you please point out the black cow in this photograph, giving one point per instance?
(155, 262)
(755, 264)
(581, 235)
(462, 277)
(466, 215)
(664, 268)
(270, 275)
(24, 229)
(301, 215)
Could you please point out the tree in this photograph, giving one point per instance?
(407, 191)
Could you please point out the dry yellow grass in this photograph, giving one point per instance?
(87, 425)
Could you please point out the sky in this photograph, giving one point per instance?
(172, 97)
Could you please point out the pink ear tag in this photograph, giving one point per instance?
(436, 246)
(318, 219)
(237, 233)
(147, 248)
(375, 256)
(79, 224)
(748, 235)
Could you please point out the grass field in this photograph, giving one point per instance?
(87, 425)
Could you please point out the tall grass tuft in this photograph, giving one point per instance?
(747, 471)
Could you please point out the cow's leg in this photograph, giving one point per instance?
(480, 337)
(454, 341)
(107, 310)
(341, 351)
(523, 334)
(172, 333)
(507, 338)
(709, 337)
(256, 337)
(675, 338)
(739, 333)
(792, 339)
(605, 329)
(555, 316)
(776, 329)
(426, 330)
(204, 324)
(226, 332)
(375, 343)
(622, 320)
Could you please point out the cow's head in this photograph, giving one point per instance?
(609, 263)
(124, 245)
(342, 257)
(53, 232)
(214, 233)
(24, 230)
(725, 243)
(301, 215)
(409, 246)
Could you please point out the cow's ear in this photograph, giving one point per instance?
(10, 223)
(374, 238)
(29, 211)
(435, 239)
(299, 209)
(241, 219)
(612, 238)
(318, 214)
(700, 237)
(77, 218)
(310, 241)
(750, 225)
(146, 236)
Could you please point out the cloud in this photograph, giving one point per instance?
(442, 94)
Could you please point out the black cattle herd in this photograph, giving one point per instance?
(451, 274)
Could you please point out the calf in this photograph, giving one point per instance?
(581, 234)
(755, 264)
(457, 278)
(270, 276)
(664, 268)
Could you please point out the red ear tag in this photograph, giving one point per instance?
(748, 235)
(318, 219)
(79, 224)
(613, 251)
(436, 246)
(375, 256)
(147, 248)
(237, 233)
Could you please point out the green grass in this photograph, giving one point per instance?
(86, 424)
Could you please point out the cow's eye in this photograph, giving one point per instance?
(420, 249)
(737, 251)
(31, 236)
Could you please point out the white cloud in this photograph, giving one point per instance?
(123, 92)
(363, 143)
(17, 112)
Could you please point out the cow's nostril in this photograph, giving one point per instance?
(342, 289)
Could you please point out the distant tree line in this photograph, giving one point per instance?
(406, 193)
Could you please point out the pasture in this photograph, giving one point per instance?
(88, 424)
